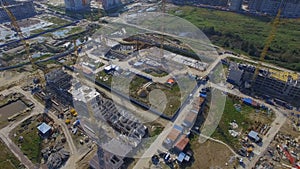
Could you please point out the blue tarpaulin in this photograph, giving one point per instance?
(203, 95)
(247, 100)
(181, 157)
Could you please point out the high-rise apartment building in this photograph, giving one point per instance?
(289, 8)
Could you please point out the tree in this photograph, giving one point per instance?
(226, 43)
(245, 46)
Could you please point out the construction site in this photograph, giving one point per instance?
(276, 87)
(62, 92)
(110, 101)
(13, 107)
(20, 9)
(283, 151)
(116, 131)
(145, 66)
(46, 145)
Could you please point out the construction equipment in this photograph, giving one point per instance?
(23, 40)
(267, 45)
(75, 48)
(162, 30)
(288, 155)
(25, 43)
(68, 121)
(19, 32)
(73, 112)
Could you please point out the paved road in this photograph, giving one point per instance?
(275, 127)
(4, 132)
(66, 131)
(157, 144)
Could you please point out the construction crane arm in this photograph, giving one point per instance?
(15, 25)
(268, 43)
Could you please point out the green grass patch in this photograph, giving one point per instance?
(104, 78)
(7, 158)
(133, 85)
(36, 31)
(136, 83)
(32, 143)
(75, 30)
(246, 118)
(247, 34)
(55, 20)
(154, 128)
(156, 73)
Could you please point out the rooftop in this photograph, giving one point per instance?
(175, 132)
(117, 147)
(181, 157)
(84, 93)
(44, 128)
(284, 76)
(190, 118)
(254, 135)
(182, 142)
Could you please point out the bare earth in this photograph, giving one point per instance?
(210, 155)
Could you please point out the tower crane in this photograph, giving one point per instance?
(162, 29)
(267, 45)
(17, 28)
(19, 32)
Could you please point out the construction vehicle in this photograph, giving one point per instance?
(68, 121)
(288, 155)
(73, 112)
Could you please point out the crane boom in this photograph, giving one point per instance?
(19, 32)
(267, 44)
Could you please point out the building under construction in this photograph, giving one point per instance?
(77, 5)
(20, 9)
(111, 4)
(58, 84)
(113, 148)
(222, 3)
(289, 8)
(268, 83)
